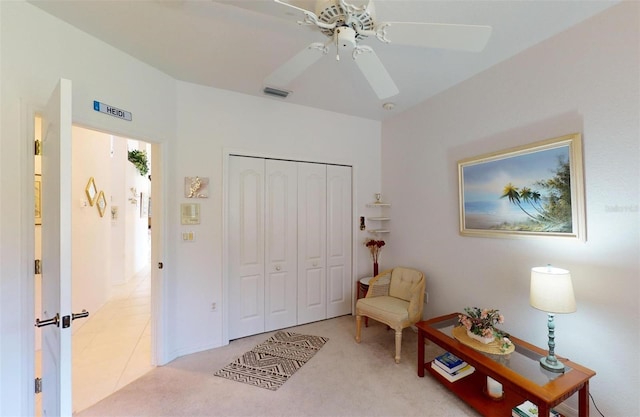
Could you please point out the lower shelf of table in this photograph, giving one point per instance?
(471, 390)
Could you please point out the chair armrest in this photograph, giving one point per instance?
(379, 285)
(416, 304)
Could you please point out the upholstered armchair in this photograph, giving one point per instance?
(395, 298)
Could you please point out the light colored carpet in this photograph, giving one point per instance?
(343, 379)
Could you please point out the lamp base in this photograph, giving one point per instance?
(552, 365)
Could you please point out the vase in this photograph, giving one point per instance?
(481, 339)
(375, 269)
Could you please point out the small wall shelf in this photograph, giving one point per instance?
(381, 219)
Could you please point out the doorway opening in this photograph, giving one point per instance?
(111, 264)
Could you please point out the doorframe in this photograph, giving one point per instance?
(27, 250)
(226, 154)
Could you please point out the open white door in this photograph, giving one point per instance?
(56, 253)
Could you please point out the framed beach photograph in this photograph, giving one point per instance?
(536, 190)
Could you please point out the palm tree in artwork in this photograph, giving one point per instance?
(514, 195)
(554, 210)
(534, 198)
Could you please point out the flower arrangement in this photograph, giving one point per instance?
(482, 322)
(375, 246)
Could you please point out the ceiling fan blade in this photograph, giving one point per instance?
(295, 66)
(375, 73)
(293, 6)
(472, 38)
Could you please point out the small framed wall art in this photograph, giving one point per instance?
(196, 187)
(101, 202)
(91, 191)
(190, 213)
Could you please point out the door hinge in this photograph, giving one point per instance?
(37, 150)
(38, 266)
(38, 385)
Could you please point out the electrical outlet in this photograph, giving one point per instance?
(213, 306)
(426, 297)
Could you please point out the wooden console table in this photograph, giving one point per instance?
(520, 373)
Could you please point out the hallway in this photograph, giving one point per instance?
(113, 347)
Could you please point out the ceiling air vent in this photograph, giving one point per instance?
(276, 92)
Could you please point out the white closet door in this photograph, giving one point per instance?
(246, 246)
(312, 230)
(280, 245)
(339, 279)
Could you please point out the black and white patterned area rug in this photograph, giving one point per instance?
(271, 363)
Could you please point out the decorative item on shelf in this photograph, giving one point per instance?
(551, 291)
(375, 246)
(196, 187)
(139, 159)
(494, 389)
(380, 220)
(479, 325)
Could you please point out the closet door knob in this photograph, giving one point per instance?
(277, 267)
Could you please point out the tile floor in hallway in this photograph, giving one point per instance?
(113, 346)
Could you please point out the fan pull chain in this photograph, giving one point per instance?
(337, 46)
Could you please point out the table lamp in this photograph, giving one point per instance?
(551, 291)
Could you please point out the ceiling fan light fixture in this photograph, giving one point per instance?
(345, 38)
(389, 105)
(271, 91)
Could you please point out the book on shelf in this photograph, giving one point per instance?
(455, 376)
(529, 409)
(450, 362)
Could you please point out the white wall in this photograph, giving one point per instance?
(120, 201)
(35, 51)
(90, 233)
(105, 252)
(583, 80)
(211, 120)
(136, 244)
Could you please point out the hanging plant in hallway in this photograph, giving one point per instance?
(139, 159)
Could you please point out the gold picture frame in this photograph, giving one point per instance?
(535, 190)
(91, 191)
(101, 202)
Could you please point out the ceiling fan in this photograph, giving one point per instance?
(346, 24)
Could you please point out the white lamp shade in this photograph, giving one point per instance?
(551, 290)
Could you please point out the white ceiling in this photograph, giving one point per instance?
(235, 44)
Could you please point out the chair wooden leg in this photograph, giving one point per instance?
(398, 344)
(358, 327)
